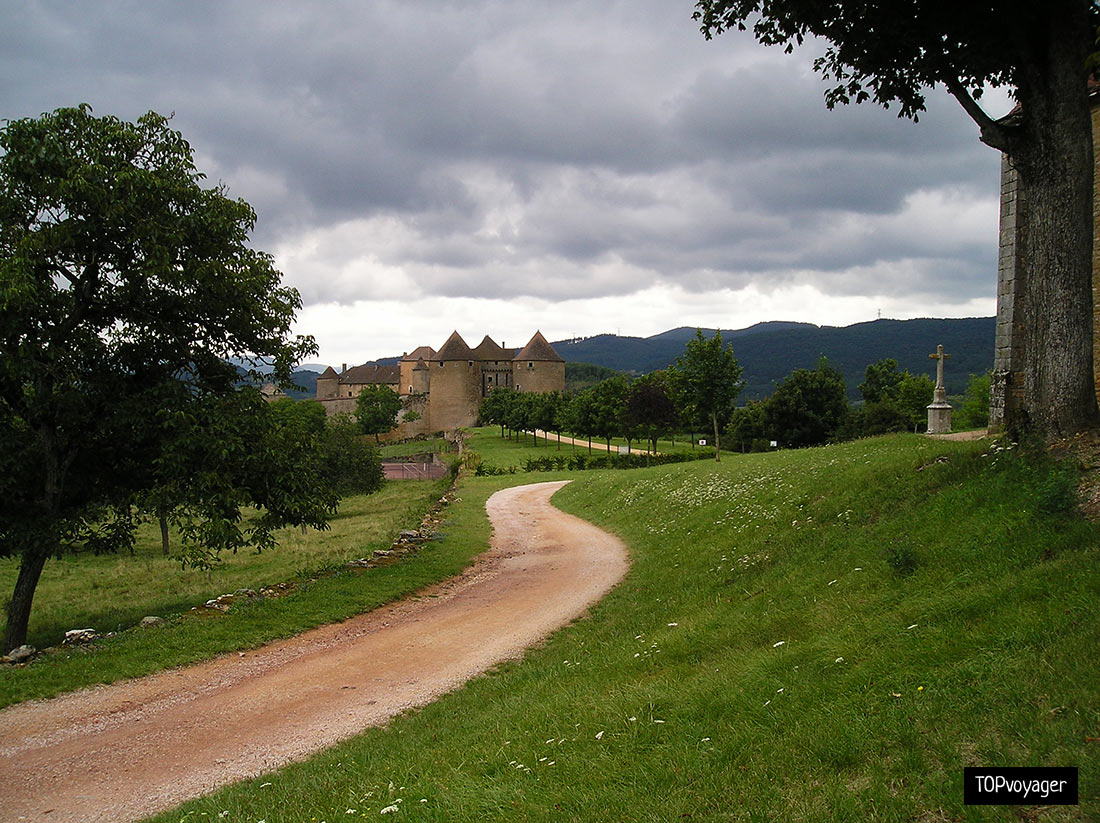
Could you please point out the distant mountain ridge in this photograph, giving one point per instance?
(770, 351)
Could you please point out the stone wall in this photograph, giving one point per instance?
(1006, 384)
(538, 376)
(455, 395)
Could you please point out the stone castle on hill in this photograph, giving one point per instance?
(445, 388)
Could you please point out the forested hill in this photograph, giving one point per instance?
(770, 351)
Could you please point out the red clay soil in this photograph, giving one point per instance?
(125, 751)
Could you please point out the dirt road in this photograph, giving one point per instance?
(124, 751)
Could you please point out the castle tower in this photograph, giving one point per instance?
(328, 384)
(420, 382)
(496, 365)
(455, 385)
(538, 368)
(409, 362)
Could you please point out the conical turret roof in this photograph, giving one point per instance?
(539, 349)
(455, 349)
(487, 349)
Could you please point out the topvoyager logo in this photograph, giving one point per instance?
(1034, 786)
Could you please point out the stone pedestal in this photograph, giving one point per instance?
(939, 413)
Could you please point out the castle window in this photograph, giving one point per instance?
(530, 365)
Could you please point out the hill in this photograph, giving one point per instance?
(770, 351)
(820, 634)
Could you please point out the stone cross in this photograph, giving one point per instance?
(939, 357)
(939, 412)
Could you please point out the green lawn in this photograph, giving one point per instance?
(113, 592)
(823, 634)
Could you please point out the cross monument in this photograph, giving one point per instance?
(939, 412)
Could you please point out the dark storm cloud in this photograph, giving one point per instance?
(510, 148)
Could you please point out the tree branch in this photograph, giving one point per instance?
(993, 134)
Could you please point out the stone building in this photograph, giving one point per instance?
(1007, 382)
(445, 387)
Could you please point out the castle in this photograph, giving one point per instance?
(445, 388)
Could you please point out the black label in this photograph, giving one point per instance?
(1023, 785)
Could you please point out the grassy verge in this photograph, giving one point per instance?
(115, 592)
(828, 634)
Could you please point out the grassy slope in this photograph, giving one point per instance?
(823, 634)
(116, 591)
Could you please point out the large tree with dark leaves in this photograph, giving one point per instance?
(124, 285)
(893, 51)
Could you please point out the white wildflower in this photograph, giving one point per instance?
(779, 691)
(674, 624)
(599, 735)
(839, 660)
(911, 627)
(390, 809)
(777, 645)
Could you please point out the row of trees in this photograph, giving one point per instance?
(698, 393)
(692, 394)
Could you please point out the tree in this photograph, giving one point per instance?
(650, 408)
(893, 400)
(350, 463)
(882, 380)
(746, 430)
(708, 377)
(608, 400)
(974, 413)
(808, 407)
(376, 410)
(892, 53)
(124, 285)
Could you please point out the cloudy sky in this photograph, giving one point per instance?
(496, 167)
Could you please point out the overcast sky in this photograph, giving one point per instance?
(497, 167)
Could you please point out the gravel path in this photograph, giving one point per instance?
(124, 751)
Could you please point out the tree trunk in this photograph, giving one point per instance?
(717, 445)
(1053, 156)
(31, 564)
(164, 547)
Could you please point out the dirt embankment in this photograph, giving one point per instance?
(125, 751)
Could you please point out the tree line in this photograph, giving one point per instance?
(698, 394)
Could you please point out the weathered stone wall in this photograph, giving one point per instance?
(455, 395)
(538, 376)
(1007, 380)
(327, 387)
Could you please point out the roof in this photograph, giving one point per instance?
(455, 349)
(487, 349)
(539, 349)
(372, 373)
(329, 372)
(422, 353)
(420, 365)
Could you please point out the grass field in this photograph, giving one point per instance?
(826, 634)
(113, 592)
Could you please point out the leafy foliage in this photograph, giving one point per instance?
(376, 410)
(708, 379)
(124, 286)
(808, 407)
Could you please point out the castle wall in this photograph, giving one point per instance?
(1007, 384)
(455, 395)
(538, 376)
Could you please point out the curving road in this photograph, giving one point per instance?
(125, 751)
